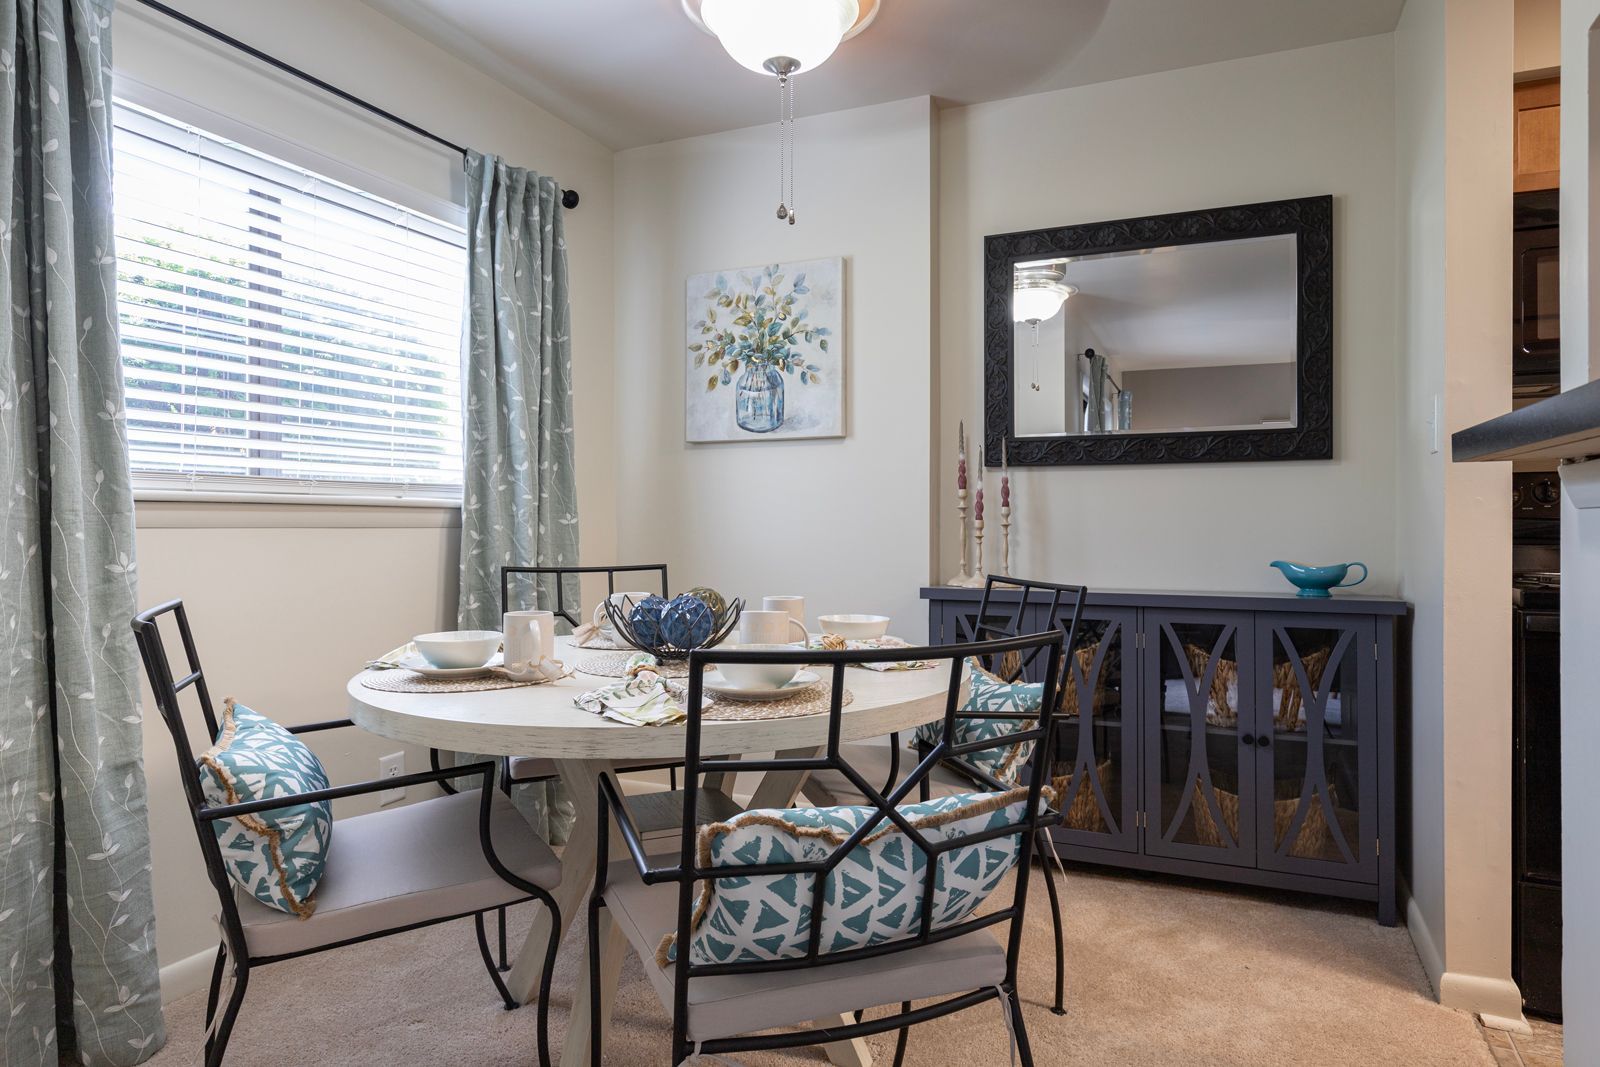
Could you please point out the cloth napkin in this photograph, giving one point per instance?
(590, 635)
(835, 643)
(642, 698)
(390, 661)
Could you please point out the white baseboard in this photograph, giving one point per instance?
(1497, 1001)
(185, 976)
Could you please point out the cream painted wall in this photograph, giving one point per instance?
(1538, 38)
(844, 522)
(1453, 137)
(1420, 156)
(1580, 538)
(1300, 123)
(1227, 395)
(289, 600)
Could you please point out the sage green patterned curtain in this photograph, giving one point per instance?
(78, 980)
(520, 500)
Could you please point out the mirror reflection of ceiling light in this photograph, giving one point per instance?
(782, 38)
(1039, 292)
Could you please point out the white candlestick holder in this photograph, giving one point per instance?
(964, 576)
(1005, 540)
(977, 574)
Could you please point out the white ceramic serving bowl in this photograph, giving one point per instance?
(458, 648)
(854, 627)
(759, 675)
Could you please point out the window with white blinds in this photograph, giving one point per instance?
(281, 332)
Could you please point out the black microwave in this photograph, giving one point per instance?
(1536, 290)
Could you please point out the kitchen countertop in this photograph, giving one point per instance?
(1564, 426)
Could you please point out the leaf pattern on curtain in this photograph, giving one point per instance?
(519, 500)
(78, 978)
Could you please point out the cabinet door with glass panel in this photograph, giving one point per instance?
(1316, 811)
(1095, 746)
(1199, 739)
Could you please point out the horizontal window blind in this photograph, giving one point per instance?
(282, 333)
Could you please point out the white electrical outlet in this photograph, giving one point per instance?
(391, 766)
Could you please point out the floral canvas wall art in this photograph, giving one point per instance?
(765, 353)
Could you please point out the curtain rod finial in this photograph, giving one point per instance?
(569, 199)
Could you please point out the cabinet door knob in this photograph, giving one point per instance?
(1247, 739)
(1264, 740)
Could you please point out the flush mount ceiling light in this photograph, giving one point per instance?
(782, 38)
(1039, 292)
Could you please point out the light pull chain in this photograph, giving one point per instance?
(786, 149)
(793, 215)
(783, 155)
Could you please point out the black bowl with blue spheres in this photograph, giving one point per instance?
(671, 629)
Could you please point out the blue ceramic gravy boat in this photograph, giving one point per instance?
(1316, 581)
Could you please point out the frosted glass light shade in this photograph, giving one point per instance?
(1036, 303)
(754, 31)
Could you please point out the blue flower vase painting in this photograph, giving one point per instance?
(765, 353)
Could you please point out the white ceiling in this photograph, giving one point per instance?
(1206, 305)
(632, 72)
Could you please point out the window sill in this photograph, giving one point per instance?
(226, 496)
(181, 509)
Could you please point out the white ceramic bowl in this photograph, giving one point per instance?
(759, 675)
(854, 627)
(458, 648)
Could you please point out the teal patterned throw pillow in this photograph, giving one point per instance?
(991, 693)
(871, 897)
(276, 856)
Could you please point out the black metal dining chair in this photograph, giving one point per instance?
(386, 872)
(1051, 594)
(521, 587)
(533, 586)
(732, 1007)
(996, 617)
(568, 605)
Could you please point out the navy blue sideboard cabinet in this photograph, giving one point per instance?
(1245, 738)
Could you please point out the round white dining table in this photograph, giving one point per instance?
(543, 720)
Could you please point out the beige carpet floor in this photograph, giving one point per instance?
(1159, 972)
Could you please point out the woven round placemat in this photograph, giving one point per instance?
(611, 664)
(404, 681)
(813, 701)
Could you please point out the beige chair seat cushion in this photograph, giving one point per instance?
(726, 1005)
(404, 866)
(871, 760)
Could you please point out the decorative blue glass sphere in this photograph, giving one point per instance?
(687, 622)
(645, 619)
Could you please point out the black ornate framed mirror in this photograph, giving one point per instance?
(1194, 337)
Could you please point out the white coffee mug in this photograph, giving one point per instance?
(623, 602)
(530, 635)
(769, 628)
(794, 605)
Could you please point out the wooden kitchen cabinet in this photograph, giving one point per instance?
(1536, 152)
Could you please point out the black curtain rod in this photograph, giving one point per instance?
(569, 197)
